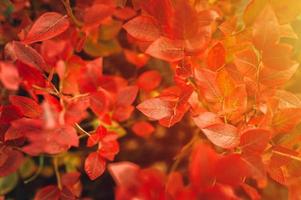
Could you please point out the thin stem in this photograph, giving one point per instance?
(79, 96)
(81, 130)
(57, 172)
(41, 164)
(287, 155)
(48, 90)
(50, 76)
(195, 87)
(185, 150)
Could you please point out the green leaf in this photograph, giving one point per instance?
(109, 31)
(27, 168)
(8, 183)
(102, 48)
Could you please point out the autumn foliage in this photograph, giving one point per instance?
(170, 99)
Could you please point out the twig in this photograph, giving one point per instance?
(68, 8)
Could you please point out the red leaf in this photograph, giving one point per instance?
(94, 15)
(202, 162)
(93, 139)
(108, 147)
(89, 80)
(155, 108)
(99, 102)
(143, 28)
(206, 80)
(126, 96)
(67, 193)
(26, 54)
(70, 178)
(231, 170)
(149, 80)
(94, 165)
(27, 106)
(185, 22)
(222, 135)
(125, 13)
(13, 160)
(216, 57)
(206, 119)
(137, 59)
(122, 113)
(100, 133)
(278, 175)
(41, 139)
(47, 26)
(178, 101)
(143, 128)
(66, 136)
(166, 49)
(255, 166)
(49, 192)
(161, 10)
(9, 76)
(174, 184)
(9, 113)
(75, 111)
(71, 185)
(19, 128)
(31, 76)
(123, 173)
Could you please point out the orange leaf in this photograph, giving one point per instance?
(286, 11)
(286, 119)
(278, 56)
(246, 62)
(266, 29)
(275, 78)
(252, 11)
(216, 56)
